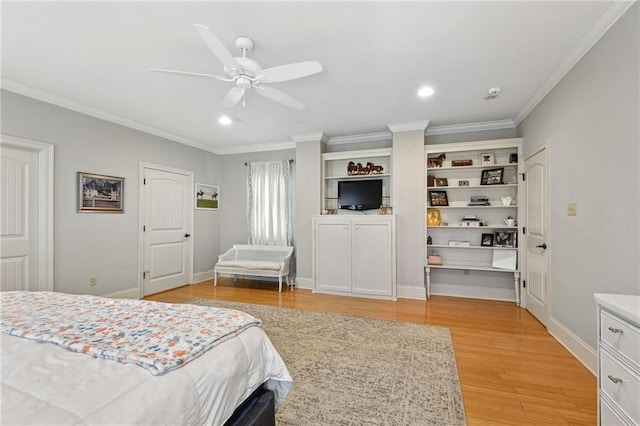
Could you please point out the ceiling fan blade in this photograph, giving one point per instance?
(279, 96)
(196, 74)
(216, 46)
(233, 97)
(290, 71)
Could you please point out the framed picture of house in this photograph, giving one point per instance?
(207, 197)
(100, 193)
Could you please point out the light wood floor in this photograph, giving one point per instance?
(511, 370)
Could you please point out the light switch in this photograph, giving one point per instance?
(571, 209)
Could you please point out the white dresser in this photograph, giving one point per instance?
(618, 359)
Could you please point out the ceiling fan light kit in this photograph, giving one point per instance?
(247, 74)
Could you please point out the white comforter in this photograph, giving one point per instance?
(46, 384)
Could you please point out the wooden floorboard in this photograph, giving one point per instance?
(512, 372)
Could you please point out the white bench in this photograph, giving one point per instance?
(265, 261)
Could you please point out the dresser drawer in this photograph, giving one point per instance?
(620, 385)
(608, 417)
(621, 335)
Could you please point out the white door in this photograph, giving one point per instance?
(332, 256)
(19, 223)
(167, 227)
(372, 268)
(536, 254)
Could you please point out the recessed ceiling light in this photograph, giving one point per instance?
(425, 91)
(224, 120)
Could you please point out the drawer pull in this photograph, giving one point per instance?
(614, 379)
(615, 330)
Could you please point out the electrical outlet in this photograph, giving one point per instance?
(571, 209)
(93, 281)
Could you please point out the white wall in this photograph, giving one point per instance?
(590, 120)
(106, 245)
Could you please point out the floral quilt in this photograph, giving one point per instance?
(157, 336)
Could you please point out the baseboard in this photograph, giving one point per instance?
(412, 292)
(306, 283)
(198, 277)
(575, 345)
(130, 293)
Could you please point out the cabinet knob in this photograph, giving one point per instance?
(615, 330)
(615, 379)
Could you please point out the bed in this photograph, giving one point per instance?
(67, 381)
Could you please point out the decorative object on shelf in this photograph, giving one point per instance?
(505, 259)
(442, 182)
(470, 220)
(458, 243)
(433, 258)
(433, 217)
(461, 163)
(486, 158)
(479, 200)
(506, 201)
(438, 198)
(492, 176)
(487, 240)
(506, 238)
(510, 221)
(100, 193)
(375, 169)
(329, 211)
(463, 183)
(513, 158)
(357, 169)
(352, 168)
(429, 240)
(431, 180)
(436, 161)
(383, 209)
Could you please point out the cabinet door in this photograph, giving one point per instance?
(372, 258)
(333, 256)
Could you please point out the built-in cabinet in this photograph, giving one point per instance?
(355, 255)
(618, 359)
(355, 165)
(472, 218)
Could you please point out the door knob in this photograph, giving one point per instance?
(543, 246)
(187, 235)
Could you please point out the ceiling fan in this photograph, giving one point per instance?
(246, 74)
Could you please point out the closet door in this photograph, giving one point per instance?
(332, 268)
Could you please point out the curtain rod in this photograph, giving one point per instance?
(290, 160)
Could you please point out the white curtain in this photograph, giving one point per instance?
(268, 207)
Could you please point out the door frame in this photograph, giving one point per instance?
(141, 214)
(544, 146)
(45, 204)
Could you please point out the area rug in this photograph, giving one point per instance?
(351, 370)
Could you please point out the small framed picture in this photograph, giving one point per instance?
(207, 197)
(486, 158)
(487, 240)
(438, 198)
(506, 238)
(492, 176)
(442, 182)
(433, 217)
(463, 183)
(100, 193)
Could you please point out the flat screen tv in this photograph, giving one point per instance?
(360, 194)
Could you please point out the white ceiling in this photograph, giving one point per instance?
(94, 57)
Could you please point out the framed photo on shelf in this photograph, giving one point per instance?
(442, 182)
(207, 197)
(492, 176)
(506, 238)
(487, 240)
(100, 193)
(438, 198)
(433, 217)
(486, 158)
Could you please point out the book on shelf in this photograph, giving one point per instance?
(458, 243)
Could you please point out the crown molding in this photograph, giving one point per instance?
(310, 137)
(471, 127)
(271, 146)
(367, 137)
(20, 89)
(409, 127)
(611, 15)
